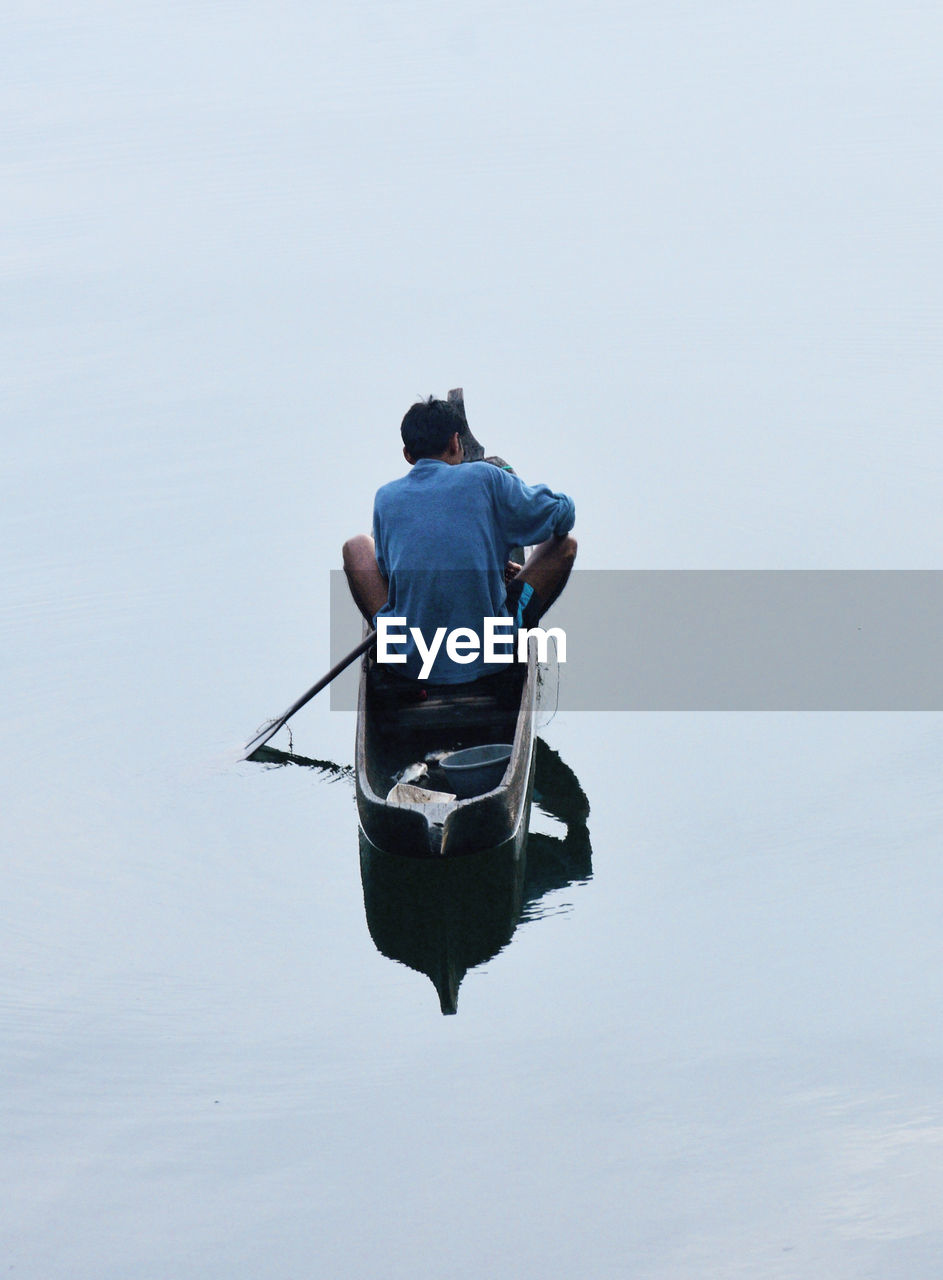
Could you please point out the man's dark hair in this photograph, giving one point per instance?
(428, 427)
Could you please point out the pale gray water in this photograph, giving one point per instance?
(685, 263)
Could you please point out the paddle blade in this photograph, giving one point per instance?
(268, 730)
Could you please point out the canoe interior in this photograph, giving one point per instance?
(403, 728)
(402, 723)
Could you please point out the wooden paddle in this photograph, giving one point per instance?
(473, 450)
(272, 727)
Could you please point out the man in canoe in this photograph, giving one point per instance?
(442, 535)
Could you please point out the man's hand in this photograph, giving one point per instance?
(511, 570)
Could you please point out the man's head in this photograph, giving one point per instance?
(430, 430)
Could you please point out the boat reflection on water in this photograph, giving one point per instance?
(444, 916)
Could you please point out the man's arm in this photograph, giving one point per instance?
(532, 513)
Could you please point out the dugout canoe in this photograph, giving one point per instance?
(403, 723)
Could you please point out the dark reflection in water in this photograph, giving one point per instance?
(333, 772)
(553, 862)
(444, 916)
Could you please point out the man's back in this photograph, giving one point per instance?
(443, 534)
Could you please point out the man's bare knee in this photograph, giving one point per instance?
(358, 551)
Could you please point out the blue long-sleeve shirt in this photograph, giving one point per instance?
(443, 535)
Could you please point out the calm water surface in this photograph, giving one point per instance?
(686, 267)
